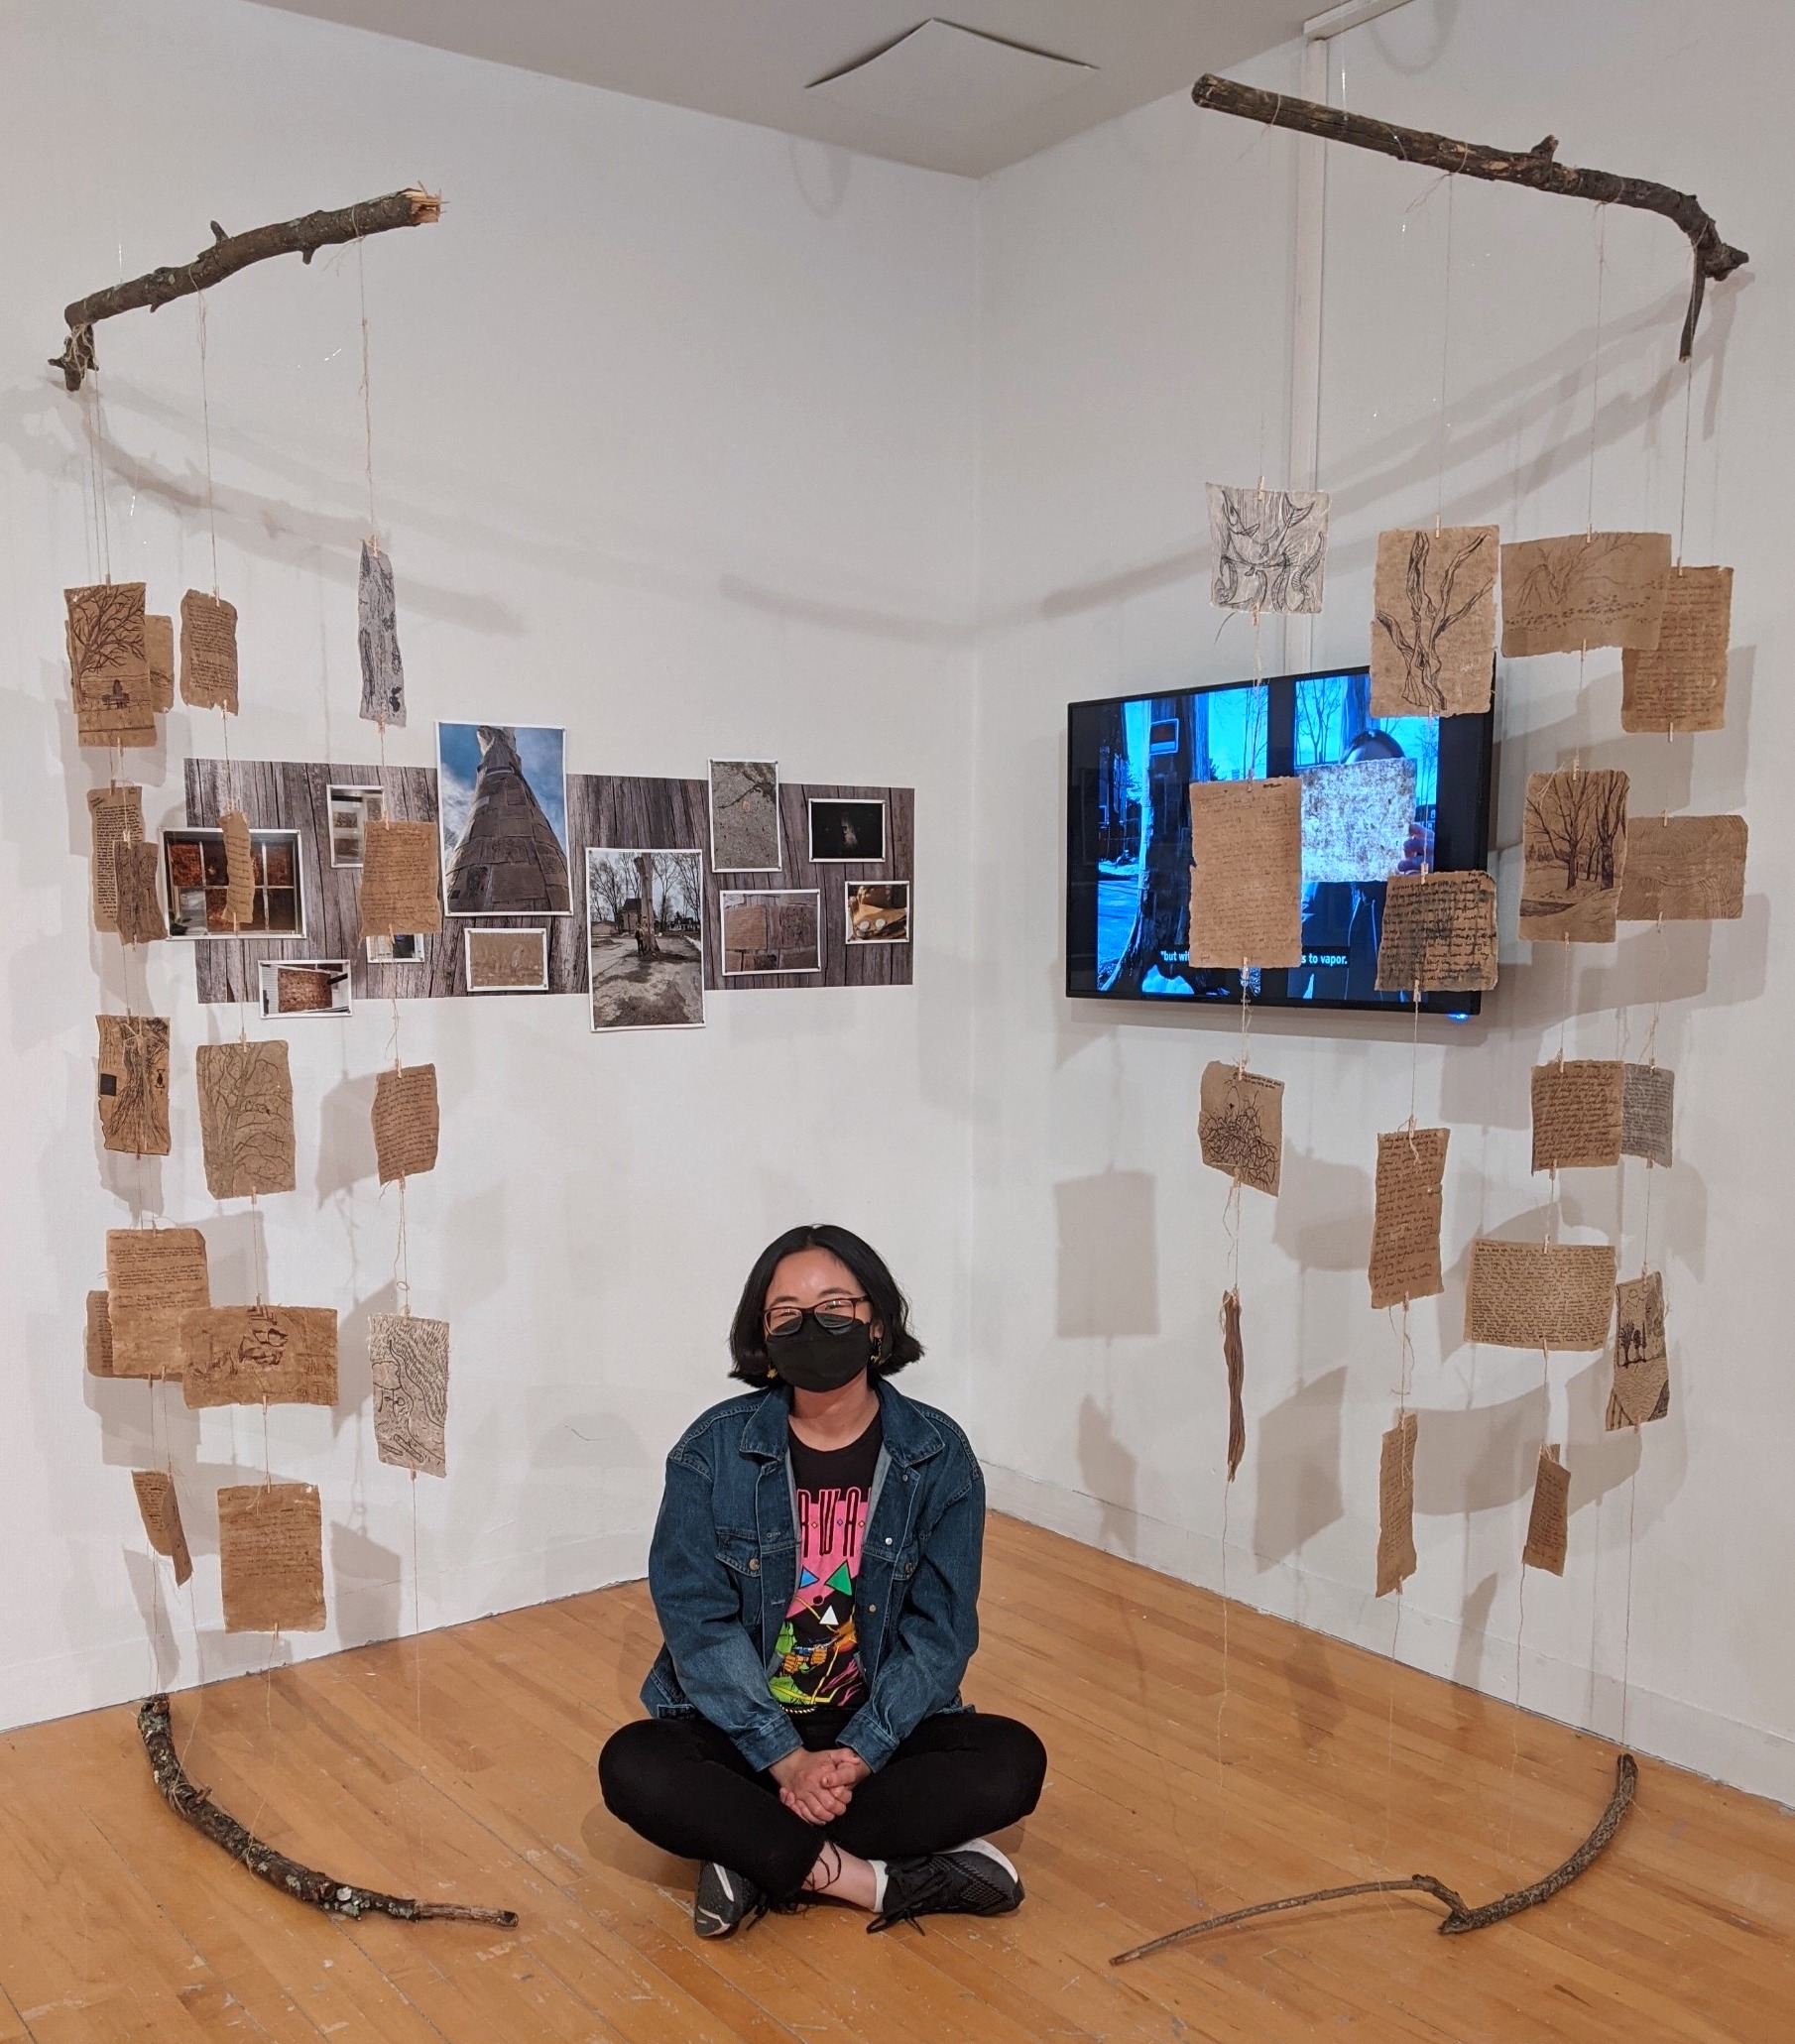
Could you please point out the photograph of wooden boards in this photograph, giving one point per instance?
(605, 810)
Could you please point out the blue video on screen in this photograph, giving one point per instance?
(1130, 763)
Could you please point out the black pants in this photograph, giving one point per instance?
(683, 1785)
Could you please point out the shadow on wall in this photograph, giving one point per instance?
(1109, 1473)
(1109, 1277)
(1297, 1459)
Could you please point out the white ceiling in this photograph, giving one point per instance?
(971, 111)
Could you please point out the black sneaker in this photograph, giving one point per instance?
(725, 1901)
(974, 1879)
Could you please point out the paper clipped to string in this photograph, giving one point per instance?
(1575, 849)
(208, 652)
(1647, 1106)
(246, 1129)
(109, 665)
(1241, 1125)
(1539, 1296)
(133, 1084)
(136, 892)
(1438, 933)
(1405, 1229)
(1245, 883)
(154, 1276)
(1433, 623)
(259, 1356)
(1681, 684)
(1577, 1113)
(1583, 590)
(406, 1122)
(97, 1348)
(1270, 548)
(160, 1509)
(410, 1359)
(271, 1558)
(377, 636)
(1356, 819)
(159, 645)
(1685, 869)
(239, 870)
(1640, 1390)
(402, 880)
(1397, 1505)
(115, 816)
(1548, 1521)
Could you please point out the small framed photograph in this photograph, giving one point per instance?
(506, 961)
(351, 810)
(294, 988)
(845, 833)
(774, 929)
(878, 911)
(395, 951)
(502, 807)
(645, 938)
(745, 817)
(193, 860)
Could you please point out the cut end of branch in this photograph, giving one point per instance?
(426, 206)
(1546, 147)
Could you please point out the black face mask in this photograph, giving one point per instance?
(815, 1356)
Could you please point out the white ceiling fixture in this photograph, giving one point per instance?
(997, 82)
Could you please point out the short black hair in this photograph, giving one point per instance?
(891, 1309)
(1383, 745)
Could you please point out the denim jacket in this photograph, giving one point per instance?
(723, 1570)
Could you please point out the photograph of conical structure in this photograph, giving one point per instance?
(501, 791)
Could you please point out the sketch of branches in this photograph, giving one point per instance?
(1232, 1140)
(1447, 576)
(1270, 548)
(409, 1359)
(246, 1119)
(134, 1084)
(1579, 821)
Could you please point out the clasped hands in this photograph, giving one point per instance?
(820, 1786)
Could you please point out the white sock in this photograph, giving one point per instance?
(984, 1845)
(878, 1866)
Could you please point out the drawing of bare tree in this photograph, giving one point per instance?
(1270, 548)
(1573, 853)
(1446, 577)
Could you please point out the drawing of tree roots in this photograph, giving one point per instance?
(1232, 1140)
(1432, 615)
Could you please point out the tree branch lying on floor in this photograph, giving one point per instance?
(335, 1897)
(1460, 1916)
(1534, 168)
(228, 253)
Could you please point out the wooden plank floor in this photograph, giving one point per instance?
(460, 1766)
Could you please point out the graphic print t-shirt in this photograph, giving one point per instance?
(819, 1666)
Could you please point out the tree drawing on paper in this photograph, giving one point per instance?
(245, 1119)
(134, 1084)
(1574, 853)
(106, 648)
(1439, 626)
(409, 1359)
(1270, 548)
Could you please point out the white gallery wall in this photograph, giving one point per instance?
(674, 446)
(1136, 304)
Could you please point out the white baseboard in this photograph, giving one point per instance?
(1760, 1763)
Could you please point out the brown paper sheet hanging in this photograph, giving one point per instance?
(1548, 1523)
(109, 665)
(1270, 548)
(158, 645)
(1647, 1106)
(1433, 625)
(410, 1360)
(376, 635)
(1245, 883)
(208, 652)
(1438, 933)
(161, 1513)
(133, 1086)
(1575, 854)
(1681, 686)
(1685, 869)
(115, 816)
(406, 1122)
(246, 1131)
(271, 1558)
(98, 1344)
(1528, 1295)
(239, 870)
(259, 1356)
(1397, 1505)
(1405, 1230)
(1241, 1125)
(154, 1276)
(1640, 1390)
(1587, 589)
(1233, 1356)
(1356, 819)
(136, 892)
(1577, 1113)
(402, 880)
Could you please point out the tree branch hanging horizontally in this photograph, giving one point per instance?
(305, 1883)
(1536, 168)
(230, 253)
(1460, 1915)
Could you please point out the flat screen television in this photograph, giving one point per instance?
(1130, 761)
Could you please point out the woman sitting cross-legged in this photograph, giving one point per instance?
(815, 1571)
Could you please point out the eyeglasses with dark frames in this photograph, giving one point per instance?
(834, 1315)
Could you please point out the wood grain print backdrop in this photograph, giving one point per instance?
(633, 812)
